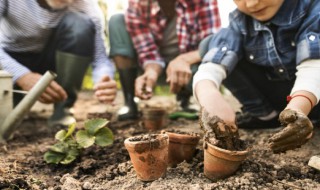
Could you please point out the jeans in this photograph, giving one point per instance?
(258, 93)
(75, 34)
(121, 44)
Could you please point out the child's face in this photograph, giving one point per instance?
(262, 10)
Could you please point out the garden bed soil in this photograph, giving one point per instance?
(22, 165)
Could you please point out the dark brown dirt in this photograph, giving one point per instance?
(22, 165)
(218, 133)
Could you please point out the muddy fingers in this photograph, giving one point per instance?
(286, 147)
(289, 143)
(288, 116)
(298, 131)
(291, 131)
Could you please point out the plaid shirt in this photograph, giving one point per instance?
(146, 23)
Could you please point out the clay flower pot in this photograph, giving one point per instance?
(182, 146)
(221, 163)
(149, 155)
(154, 118)
(103, 115)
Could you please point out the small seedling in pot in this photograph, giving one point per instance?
(69, 147)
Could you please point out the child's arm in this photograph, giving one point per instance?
(306, 90)
(210, 98)
(304, 96)
(206, 83)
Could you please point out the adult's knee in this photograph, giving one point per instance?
(120, 41)
(116, 24)
(76, 34)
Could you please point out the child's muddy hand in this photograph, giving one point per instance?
(298, 130)
(216, 125)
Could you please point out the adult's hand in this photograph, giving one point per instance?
(178, 73)
(145, 83)
(106, 90)
(52, 94)
(298, 130)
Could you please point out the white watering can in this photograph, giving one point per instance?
(10, 118)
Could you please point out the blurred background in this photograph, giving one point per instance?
(117, 6)
(111, 7)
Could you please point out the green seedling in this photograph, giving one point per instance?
(68, 147)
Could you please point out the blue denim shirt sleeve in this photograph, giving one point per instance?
(308, 46)
(224, 48)
(291, 36)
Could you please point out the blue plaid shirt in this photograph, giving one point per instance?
(290, 37)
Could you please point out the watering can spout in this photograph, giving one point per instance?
(14, 118)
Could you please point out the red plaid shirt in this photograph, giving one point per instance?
(146, 23)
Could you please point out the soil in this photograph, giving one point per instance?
(218, 133)
(22, 165)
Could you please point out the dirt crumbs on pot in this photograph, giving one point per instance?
(220, 134)
(149, 137)
(154, 142)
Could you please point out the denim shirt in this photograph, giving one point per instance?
(280, 44)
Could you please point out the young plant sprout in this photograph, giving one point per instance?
(69, 147)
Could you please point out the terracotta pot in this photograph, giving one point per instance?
(154, 118)
(181, 147)
(149, 155)
(221, 163)
(103, 115)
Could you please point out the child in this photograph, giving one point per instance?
(270, 50)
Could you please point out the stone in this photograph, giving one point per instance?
(315, 162)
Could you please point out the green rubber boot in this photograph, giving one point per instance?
(70, 69)
(130, 109)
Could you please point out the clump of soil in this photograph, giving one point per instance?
(149, 137)
(153, 142)
(220, 134)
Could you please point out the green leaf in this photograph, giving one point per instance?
(52, 157)
(60, 135)
(68, 159)
(104, 137)
(60, 147)
(72, 143)
(71, 156)
(84, 139)
(71, 129)
(93, 125)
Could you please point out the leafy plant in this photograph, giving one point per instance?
(69, 147)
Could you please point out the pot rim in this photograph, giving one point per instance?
(233, 155)
(162, 138)
(182, 138)
(154, 109)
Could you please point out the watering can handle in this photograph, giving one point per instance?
(17, 115)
